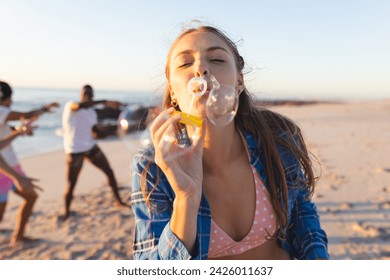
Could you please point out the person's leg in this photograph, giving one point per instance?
(97, 158)
(74, 162)
(23, 214)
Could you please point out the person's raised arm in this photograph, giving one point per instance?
(90, 103)
(16, 115)
(86, 104)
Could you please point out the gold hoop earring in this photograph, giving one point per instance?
(174, 103)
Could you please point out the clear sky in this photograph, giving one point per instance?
(312, 48)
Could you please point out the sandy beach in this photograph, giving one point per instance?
(351, 141)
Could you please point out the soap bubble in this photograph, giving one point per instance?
(222, 105)
(197, 86)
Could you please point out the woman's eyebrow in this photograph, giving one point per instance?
(183, 52)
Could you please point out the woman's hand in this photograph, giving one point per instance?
(26, 185)
(182, 166)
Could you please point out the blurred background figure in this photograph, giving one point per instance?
(79, 124)
(11, 169)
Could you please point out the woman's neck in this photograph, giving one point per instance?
(222, 145)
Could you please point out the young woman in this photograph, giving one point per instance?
(243, 191)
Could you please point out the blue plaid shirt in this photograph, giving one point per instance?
(153, 238)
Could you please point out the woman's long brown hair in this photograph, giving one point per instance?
(266, 126)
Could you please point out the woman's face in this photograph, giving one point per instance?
(200, 54)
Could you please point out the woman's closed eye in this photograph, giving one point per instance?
(217, 60)
(184, 64)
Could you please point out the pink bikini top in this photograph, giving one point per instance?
(264, 225)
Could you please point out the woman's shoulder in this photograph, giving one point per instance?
(283, 143)
(283, 132)
(143, 159)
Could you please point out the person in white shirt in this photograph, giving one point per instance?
(10, 167)
(79, 120)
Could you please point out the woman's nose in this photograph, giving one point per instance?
(201, 73)
(201, 70)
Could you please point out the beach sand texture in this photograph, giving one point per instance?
(351, 140)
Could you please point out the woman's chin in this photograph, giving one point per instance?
(197, 113)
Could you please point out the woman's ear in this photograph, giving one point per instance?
(240, 83)
(171, 94)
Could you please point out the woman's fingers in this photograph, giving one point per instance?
(37, 187)
(161, 133)
(158, 121)
(26, 184)
(33, 179)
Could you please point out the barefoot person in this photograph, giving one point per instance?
(79, 120)
(23, 185)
